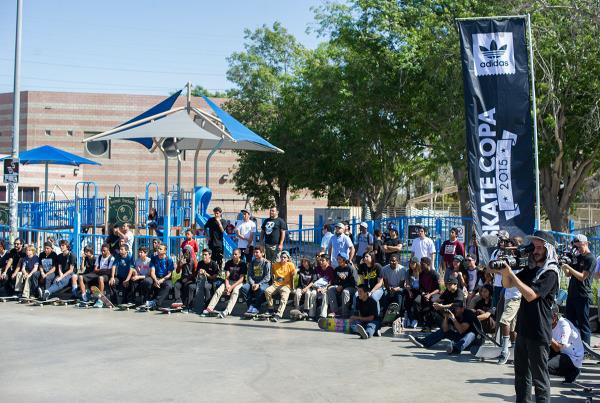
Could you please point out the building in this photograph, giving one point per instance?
(64, 119)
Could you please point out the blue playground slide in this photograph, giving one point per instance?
(203, 196)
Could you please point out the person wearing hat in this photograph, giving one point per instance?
(458, 271)
(538, 285)
(451, 248)
(216, 229)
(340, 244)
(245, 231)
(344, 286)
(458, 327)
(392, 244)
(580, 286)
(566, 350)
(451, 294)
(283, 284)
(364, 241)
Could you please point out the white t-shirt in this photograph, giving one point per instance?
(422, 247)
(567, 334)
(339, 244)
(128, 238)
(245, 229)
(104, 263)
(325, 241)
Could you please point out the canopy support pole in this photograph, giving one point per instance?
(46, 182)
(212, 152)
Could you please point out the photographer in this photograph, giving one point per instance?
(580, 286)
(538, 285)
(503, 243)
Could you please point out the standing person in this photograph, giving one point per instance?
(259, 276)
(189, 240)
(306, 280)
(47, 270)
(272, 235)
(344, 286)
(450, 248)
(378, 247)
(283, 282)
(245, 232)
(121, 273)
(392, 244)
(508, 320)
(503, 244)
(366, 323)
(126, 235)
(364, 242)
(580, 287)
(566, 349)
(235, 273)
(423, 246)
(326, 238)
(65, 266)
(340, 243)
(216, 229)
(538, 285)
(7, 277)
(161, 268)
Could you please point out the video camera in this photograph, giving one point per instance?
(566, 254)
(515, 257)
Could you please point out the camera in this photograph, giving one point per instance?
(566, 255)
(515, 258)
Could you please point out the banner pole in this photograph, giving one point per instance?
(538, 214)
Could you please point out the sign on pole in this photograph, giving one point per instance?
(121, 210)
(11, 170)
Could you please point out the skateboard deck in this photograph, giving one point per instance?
(65, 302)
(397, 326)
(11, 298)
(50, 301)
(296, 314)
(28, 301)
(142, 308)
(391, 314)
(588, 392)
(257, 316)
(84, 304)
(199, 303)
(124, 307)
(335, 325)
(169, 311)
(102, 297)
(595, 354)
(487, 352)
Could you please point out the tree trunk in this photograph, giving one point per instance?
(460, 179)
(282, 199)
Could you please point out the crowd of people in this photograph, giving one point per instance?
(351, 277)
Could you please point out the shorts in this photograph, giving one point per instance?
(509, 315)
(90, 278)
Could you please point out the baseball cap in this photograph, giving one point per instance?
(340, 225)
(459, 258)
(580, 238)
(244, 211)
(393, 228)
(452, 280)
(364, 225)
(285, 252)
(543, 236)
(343, 255)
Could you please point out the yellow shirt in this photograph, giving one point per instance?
(283, 274)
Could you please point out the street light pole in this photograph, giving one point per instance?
(13, 188)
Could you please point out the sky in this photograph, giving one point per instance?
(136, 46)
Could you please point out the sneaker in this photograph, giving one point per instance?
(176, 305)
(331, 315)
(250, 309)
(449, 346)
(503, 359)
(377, 333)
(255, 311)
(414, 324)
(46, 295)
(275, 318)
(99, 303)
(152, 304)
(270, 312)
(415, 341)
(40, 293)
(204, 313)
(362, 332)
(222, 314)
(84, 297)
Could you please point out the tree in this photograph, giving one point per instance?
(200, 90)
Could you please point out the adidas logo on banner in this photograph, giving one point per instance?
(493, 53)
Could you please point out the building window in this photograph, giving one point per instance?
(70, 133)
(100, 148)
(26, 194)
(48, 132)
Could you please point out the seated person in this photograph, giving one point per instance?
(283, 281)
(87, 275)
(484, 309)
(142, 271)
(372, 275)
(259, 275)
(325, 275)
(235, 274)
(9, 271)
(121, 273)
(450, 295)
(411, 292)
(159, 281)
(65, 266)
(47, 270)
(28, 267)
(185, 285)
(344, 286)
(457, 326)
(306, 279)
(429, 289)
(366, 322)
(208, 272)
(394, 277)
(566, 348)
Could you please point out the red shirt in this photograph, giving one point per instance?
(192, 243)
(450, 249)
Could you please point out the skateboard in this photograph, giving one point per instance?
(257, 316)
(65, 302)
(169, 311)
(335, 325)
(591, 351)
(143, 308)
(124, 307)
(297, 314)
(84, 304)
(28, 301)
(50, 301)
(588, 392)
(391, 314)
(398, 326)
(102, 297)
(491, 353)
(11, 298)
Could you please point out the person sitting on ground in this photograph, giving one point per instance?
(87, 274)
(259, 276)
(45, 276)
(474, 277)
(458, 271)
(429, 289)
(189, 240)
(54, 244)
(185, 285)
(411, 292)
(344, 286)
(372, 275)
(3, 255)
(283, 282)
(484, 309)
(121, 273)
(142, 271)
(65, 265)
(566, 348)
(325, 275)
(458, 326)
(306, 279)
(161, 268)
(450, 295)
(26, 272)
(235, 274)
(8, 275)
(366, 322)
(394, 278)
(209, 271)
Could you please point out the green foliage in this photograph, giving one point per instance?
(200, 90)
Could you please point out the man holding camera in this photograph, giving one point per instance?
(580, 287)
(538, 285)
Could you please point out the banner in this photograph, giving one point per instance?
(499, 127)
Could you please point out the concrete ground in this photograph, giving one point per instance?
(58, 354)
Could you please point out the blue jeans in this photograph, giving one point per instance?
(397, 297)
(460, 342)
(370, 327)
(578, 313)
(254, 298)
(58, 285)
(376, 295)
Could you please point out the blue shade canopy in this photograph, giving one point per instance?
(52, 156)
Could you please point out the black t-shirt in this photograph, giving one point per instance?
(391, 242)
(448, 297)
(484, 306)
(236, 270)
(306, 277)
(16, 257)
(272, 229)
(469, 317)
(63, 263)
(344, 276)
(378, 249)
(578, 288)
(366, 308)
(211, 268)
(534, 319)
(215, 235)
(88, 264)
(47, 262)
(371, 275)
